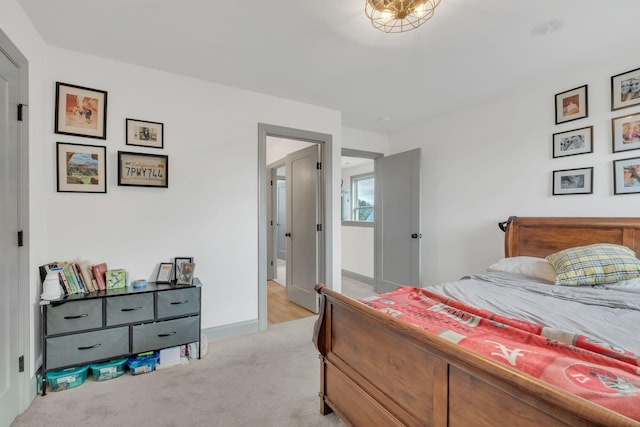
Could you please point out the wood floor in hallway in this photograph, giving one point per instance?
(279, 308)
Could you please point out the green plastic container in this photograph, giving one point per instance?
(67, 378)
(108, 370)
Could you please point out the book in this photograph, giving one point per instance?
(84, 268)
(76, 275)
(116, 279)
(68, 274)
(98, 271)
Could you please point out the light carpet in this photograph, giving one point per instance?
(269, 378)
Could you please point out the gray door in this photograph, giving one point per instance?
(397, 218)
(271, 224)
(282, 218)
(302, 219)
(9, 340)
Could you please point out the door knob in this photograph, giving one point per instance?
(287, 234)
(416, 235)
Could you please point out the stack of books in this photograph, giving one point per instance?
(80, 277)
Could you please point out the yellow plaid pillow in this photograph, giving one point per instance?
(594, 264)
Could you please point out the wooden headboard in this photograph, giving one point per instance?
(542, 236)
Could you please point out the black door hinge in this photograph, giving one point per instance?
(20, 112)
(318, 227)
(20, 239)
(319, 165)
(21, 364)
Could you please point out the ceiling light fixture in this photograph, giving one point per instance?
(398, 16)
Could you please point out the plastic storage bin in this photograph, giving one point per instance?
(108, 370)
(143, 363)
(67, 378)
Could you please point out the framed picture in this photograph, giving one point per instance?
(626, 176)
(626, 132)
(178, 261)
(573, 181)
(571, 105)
(165, 272)
(184, 276)
(143, 170)
(625, 89)
(145, 134)
(572, 142)
(81, 168)
(81, 111)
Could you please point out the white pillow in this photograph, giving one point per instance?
(527, 266)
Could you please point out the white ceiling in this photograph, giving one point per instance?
(326, 52)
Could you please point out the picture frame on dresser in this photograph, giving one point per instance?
(184, 276)
(573, 142)
(625, 132)
(178, 262)
(572, 104)
(626, 176)
(625, 89)
(573, 181)
(144, 133)
(81, 168)
(165, 273)
(80, 111)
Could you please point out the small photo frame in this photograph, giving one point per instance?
(145, 134)
(80, 111)
(626, 176)
(81, 168)
(573, 181)
(625, 89)
(184, 276)
(572, 142)
(165, 272)
(178, 261)
(143, 170)
(626, 132)
(572, 105)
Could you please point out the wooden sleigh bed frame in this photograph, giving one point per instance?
(378, 371)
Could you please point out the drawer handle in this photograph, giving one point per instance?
(90, 347)
(180, 302)
(132, 308)
(79, 316)
(167, 335)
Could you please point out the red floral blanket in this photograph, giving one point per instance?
(602, 374)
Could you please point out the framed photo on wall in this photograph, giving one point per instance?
(573, 181)
(143, 170)
(81, 168)
(145, 134)
(625, 89)
(626, 176)
(80, 111)
(572, 142)
(572, 105)
(626, 132)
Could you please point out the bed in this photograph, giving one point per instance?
(380, 371)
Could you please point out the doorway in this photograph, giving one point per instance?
(15, 393)
(315, 254)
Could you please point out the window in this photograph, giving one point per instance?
(362, 200)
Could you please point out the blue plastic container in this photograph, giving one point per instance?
(143, 363)
(108, 370)
(67, 378)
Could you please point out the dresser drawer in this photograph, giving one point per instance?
(154, 336)
(86, 347)
(178, 302)
(74, 316)
(129, 309)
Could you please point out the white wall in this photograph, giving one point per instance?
(209, 211)
(484, 163)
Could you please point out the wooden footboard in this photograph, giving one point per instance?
(378, 371)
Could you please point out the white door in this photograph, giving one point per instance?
(9, 327)
(397, 218)
(282, 218)
(271, 225)
(302, 221)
